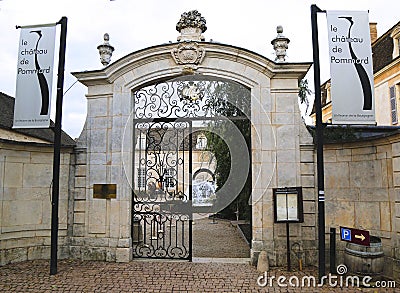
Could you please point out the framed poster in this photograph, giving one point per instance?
(288, 205)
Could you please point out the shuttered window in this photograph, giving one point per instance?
(393, 104)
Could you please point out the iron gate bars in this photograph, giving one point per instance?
(162, 220)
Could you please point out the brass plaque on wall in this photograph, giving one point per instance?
(105, 191)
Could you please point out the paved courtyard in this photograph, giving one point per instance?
(144, 276)
(220, 264)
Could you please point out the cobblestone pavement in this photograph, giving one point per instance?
(220, 240)
(145, 276)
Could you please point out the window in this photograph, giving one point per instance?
(328, 93)
(393, 104)
(169, 178)
(396, 41)
(201, 143)
(141, 182)
(141, 142)
(396, 47)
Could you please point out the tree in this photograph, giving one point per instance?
(232, 101)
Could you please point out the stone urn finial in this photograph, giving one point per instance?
(191, 26)
(105, 50)
(280, 44)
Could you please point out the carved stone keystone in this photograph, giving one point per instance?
(188, 53)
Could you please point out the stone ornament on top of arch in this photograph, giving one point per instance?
(191, 25)
(188, 51)
(188, 54)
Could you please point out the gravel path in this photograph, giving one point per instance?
(220, 240)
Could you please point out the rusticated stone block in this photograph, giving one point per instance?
(93, 253)
(39, 252)
(123, 254)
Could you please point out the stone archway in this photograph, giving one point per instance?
(281, 152)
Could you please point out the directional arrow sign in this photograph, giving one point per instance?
(356, 236)
(361, 237)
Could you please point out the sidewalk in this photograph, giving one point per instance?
(144, 276)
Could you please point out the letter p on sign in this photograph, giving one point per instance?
(345, 234)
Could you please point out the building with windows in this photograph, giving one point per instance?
(386, 57)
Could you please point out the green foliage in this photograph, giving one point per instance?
(338, 134)
(232, 101)
(304, 91)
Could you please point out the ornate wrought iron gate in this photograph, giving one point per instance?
(164, 115)
(161, 203)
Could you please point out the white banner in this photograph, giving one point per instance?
(350, 56)
(34, 77)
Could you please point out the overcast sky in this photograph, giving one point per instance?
(134, 25)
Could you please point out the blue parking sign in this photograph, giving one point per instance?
(345, 234)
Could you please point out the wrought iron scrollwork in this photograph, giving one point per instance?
(161, 235)
(191, 98)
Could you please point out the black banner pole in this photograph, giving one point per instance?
(320, 144)
(57, 147)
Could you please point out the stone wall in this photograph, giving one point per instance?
(101, 227)
(292, 165)
(362, 191)
(25, 201)
(362, 188)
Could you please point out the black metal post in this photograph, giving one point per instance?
(190, 192)
(320, 144)
(57, 147)
(288, 246)
(332, 251)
